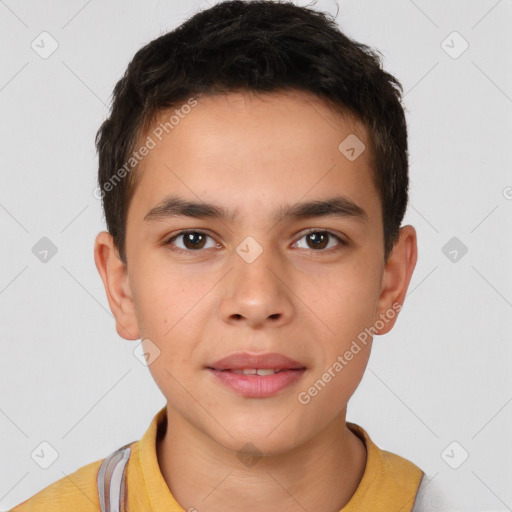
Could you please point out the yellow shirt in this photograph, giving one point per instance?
(389, 483)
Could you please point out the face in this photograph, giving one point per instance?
(264, 267)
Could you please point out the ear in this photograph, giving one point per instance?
(114, 274)
(396, 277)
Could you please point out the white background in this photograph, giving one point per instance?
(442, 375)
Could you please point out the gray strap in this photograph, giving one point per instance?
(111, 484)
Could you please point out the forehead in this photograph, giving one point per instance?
(264, 113)
(248, 148)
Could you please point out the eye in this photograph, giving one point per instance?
(193, 241)
(319, 240)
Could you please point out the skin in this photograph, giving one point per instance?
(255, 153)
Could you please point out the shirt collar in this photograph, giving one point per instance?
(158, 494)
(384, 471)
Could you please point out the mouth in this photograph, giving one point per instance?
(251, 364)
(260, 371)
(257, 375)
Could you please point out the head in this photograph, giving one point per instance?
(235, 127)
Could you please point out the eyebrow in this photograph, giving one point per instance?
(338, 206)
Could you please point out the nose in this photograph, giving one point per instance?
(256, 294)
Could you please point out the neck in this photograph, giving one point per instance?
(321, 474)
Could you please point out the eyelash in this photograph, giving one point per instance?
(342, 242)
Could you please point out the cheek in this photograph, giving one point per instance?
(329, 390)
(163, 300)
(167, 307)
(347, 302)
(348, 307)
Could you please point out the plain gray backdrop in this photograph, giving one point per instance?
(438, 388)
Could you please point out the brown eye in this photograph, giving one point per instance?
(194, 240)
(319, 240)
(191, 241)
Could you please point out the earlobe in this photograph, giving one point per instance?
(396, 277)
(114, 275)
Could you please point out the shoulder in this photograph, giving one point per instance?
(386, 467)
(389, 482)
(399, 467)
(78, 490)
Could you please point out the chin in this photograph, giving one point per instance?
(260, 439)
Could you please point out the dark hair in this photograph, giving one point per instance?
(264, 46)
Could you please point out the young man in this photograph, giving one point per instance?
(254, 177)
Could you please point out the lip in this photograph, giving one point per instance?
(257, 386)
(241, 360)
